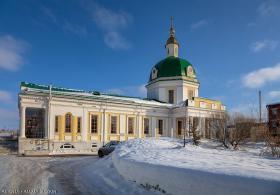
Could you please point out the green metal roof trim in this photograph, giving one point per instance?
(99, 97)
(171, 66)
(47, 87)
(59, 89)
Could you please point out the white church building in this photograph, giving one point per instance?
(56, 120)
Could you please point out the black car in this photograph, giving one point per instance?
(108, 148)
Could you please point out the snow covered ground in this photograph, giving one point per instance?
(63, 175)
(204, 169)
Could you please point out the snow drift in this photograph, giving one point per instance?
(196, 170)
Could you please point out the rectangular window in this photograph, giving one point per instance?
(34, 123)
(114, 124)
(56, 124)
(171, 96)
(68, 121)
(274, 112)
(146, 126)
(94, 123)
(160, 127)
(79, 125)
(190, 94)
(130, 125)
(179, 127)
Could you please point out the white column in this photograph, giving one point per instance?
(199, 125)
(154, 126)
(22, 121)
(84, 126)
(102, 127)
(106, 126)
(139, 121)
(122, 124)
(51, 125)
(203, 127)
(47, 109)
(173, 126)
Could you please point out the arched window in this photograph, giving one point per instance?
(68, 118)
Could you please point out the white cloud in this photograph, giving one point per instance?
(199, 24)
(274, 94)
(115, 40)
(112, 23)
(74, 28)
(109, 20)
(260, 77)
(63, 23)
(135, 91)
(5, 96)
(262, 45)
(269, 8)
(11, 52)
(49, 13)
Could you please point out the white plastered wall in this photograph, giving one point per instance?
(159, 90)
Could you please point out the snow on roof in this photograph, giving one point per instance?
(136, 100)
(90, 94)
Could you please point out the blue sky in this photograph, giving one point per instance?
(111, 46)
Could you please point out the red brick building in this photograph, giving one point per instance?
(273, 111)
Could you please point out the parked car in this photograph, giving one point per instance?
(108, 148)
(67, 146)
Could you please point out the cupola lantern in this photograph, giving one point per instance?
(171, 44)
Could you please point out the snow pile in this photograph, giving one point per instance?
(196, 169)
(108, 180)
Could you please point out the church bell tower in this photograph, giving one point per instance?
(172, 44)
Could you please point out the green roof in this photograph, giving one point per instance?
(61, 89)
(171, 67)
(81, 94)
(47, 87)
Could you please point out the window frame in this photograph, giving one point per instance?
(111, 124)
(190, 94)
(91, 123)
(169, 96)
(79, 124)
(56, 124)
(146, 131)
(68, 127)
(130, 125)
(179, 129)
(160, 126)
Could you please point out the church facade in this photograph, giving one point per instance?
(56, 120)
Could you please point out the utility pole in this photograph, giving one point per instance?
(260, 106)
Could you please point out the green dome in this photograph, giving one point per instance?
(173, 67)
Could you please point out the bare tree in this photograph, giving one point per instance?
(272, 140)
(218, 128)
(193, 130)
(240, 129)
